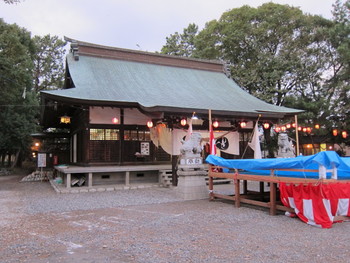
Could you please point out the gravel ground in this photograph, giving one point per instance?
(152, 225)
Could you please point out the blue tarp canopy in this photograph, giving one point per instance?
(329, 159)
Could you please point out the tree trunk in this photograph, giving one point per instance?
(16, 159)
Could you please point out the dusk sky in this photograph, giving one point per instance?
(133, 24)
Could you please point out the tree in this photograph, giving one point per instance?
(18, 106)
(181, 44)
(12, 1)
(48, 63)
(276, 53)
(340, 80)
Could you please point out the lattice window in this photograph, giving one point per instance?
(104, 134)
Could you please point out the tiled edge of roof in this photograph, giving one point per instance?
(89, 49)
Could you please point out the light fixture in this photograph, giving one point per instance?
(335, 132)
(344, 134)
(243, 124)
(115, 120)
(283, 128)
(317, 126)
(215, 124)
(304, 129)
(65, 119)
(266, 125)
(150, 124)
(277, 129)
(300, 128)
(194, 117)
(308, 129)
(183, 122)
(288, 125)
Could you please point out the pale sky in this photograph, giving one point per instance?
(133, 24)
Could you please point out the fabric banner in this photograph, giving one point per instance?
(212, 142)
(317, 205)
(255, 143)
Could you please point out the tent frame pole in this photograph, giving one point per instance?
(296, 134)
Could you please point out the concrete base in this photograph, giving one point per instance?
(192, 187)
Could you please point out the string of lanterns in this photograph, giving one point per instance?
(242, 124)
(283, 128)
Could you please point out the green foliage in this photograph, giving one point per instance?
(12, 1)
(17, 114)
(48, 63)
(339, 84)
(27, 65)
(181, 44)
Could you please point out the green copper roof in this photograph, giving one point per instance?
(157, 86)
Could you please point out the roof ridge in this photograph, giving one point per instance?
(140, 56)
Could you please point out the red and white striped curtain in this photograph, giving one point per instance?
(317, 204)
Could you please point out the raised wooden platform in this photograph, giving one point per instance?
(67, 171)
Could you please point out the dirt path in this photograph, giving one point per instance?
(191, 231)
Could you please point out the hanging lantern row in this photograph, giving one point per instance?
(283, 128)
(335, 133)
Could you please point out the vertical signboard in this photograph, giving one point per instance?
(41, 160)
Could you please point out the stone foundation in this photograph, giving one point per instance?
(192, 187)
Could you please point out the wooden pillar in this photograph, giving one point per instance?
(237, 193)
(245, 187)
(211, 187)
(127, 178)
(296, 135)
(261, 190)
(90, 180)
(69, 180)
(273, 187)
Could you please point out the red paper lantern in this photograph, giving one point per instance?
(150, 124)
(243, 124)
(266, 125)
(115, 120)
(344, 134)
(335, 132)
(183, 122)
(215, 124)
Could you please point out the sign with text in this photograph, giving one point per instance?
(191, 161)
(41, 160)
(145, 148)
